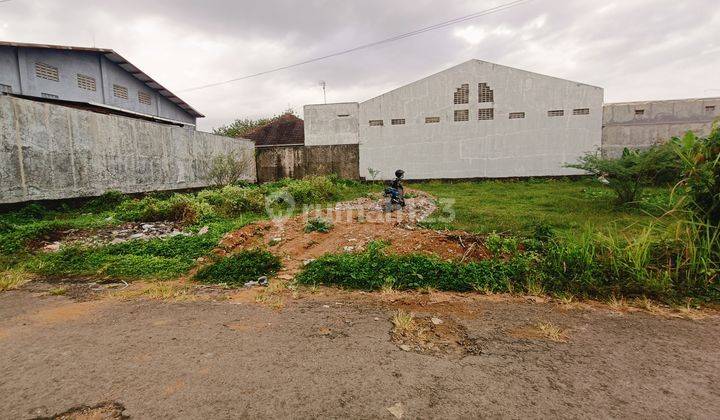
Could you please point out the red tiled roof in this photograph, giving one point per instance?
(286, 129)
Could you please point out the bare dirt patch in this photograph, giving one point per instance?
(103, 411)
(439, 337)
(354, 225)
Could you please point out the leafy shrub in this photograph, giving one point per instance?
(233, 200)
(105, 202)
(179, 207)
(701, 174)
(312, 189)
(240, 268)
(628, 174)
(318, 224)
(229, 169)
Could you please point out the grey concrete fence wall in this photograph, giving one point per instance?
(50, 152)
(279, 162)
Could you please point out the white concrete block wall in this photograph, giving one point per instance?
(328, 124)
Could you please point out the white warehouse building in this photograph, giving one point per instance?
(474, 120)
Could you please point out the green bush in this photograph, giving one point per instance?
(233, 200)
(179, 207)
(312, 189)
(635, 169)
(107, 201)
(701, 174)
(246, 266)
(318, 224)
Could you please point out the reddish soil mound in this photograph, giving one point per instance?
(353, 228)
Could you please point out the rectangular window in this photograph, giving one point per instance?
(376, 123)
(120, 92)
(398, 121)
(462, 115)
(144, 98)
(485, 94)
(49, 96)
(86, 82)
(710, 109)
(581, 111)
(462, 95)
(486, 114)
(432, 120)
(343, 115)
(517, 115)
(556, 113)
(47, 72)
(5, 89)
(639, 112)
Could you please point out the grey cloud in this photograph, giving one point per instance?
(636, 50)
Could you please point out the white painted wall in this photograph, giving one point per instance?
(537, 145)
(327, 124)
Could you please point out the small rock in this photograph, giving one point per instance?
(405, 347)
(109, 219)
(146, 227)
(203, 230)
(200, 259)
(277, 239)
(349, 248)
(251, 284)
(377, 319)
(436, 321)
(397, 410)
(137, 236)
(326, 306)
(53, 247)
(306, 262)
(262, 280)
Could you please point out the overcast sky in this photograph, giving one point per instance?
(635, 49)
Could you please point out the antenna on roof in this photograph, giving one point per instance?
(324, 85)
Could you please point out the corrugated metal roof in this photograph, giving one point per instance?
(118, 59)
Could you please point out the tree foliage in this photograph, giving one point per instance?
(243, 126)
(229, 169)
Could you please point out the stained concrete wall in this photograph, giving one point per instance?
(49, 151)
(639, 125)
(537, 145)
(279, 162)
(331, 123)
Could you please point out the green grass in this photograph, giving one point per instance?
(221, 209)
(237, 269)
(518, 207)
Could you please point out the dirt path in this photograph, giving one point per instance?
(332, 354)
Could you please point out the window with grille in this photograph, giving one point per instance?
(486, 114)
(432, 120)
(5, 89)
(556, 113)
(398, 121)
(47, 72)
(49, 96)
(462, 115)
(581, 111)
(639, 112)
(710, 108)
(485, 94)
(376, 123)
(144, 98)
(86, 82)
(517, 115)
(462, 95)
(120, 92)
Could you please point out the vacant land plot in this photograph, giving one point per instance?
(136, 306)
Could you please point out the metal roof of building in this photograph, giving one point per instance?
(118, 59)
